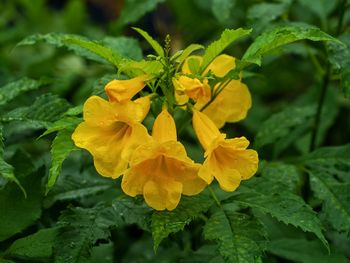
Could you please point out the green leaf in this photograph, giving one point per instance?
(78, 231)
(186, 52)
(81, 46)
(96, 48)
(270, 197)
(280, 124)
(61, 147)
(218, 46)
(13, 89)
(45, 109)
(241, 237)
(261, 15)
(280, 36)
(339, 57)
(154, 44)
(304, 251)
(77, 186)
(336, 199)
(328, 168)
(322, 8)
(17, 212)
(7, 170)
(334, 154)
(133, 10)
(222, 9)
(127, 47)
(67, 122)
(282, 173)
(80, 228)
(167, 222)
(136, 68)
(36, 247)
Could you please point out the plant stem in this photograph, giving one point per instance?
(214, 196)
(321, 100)
(325, 82)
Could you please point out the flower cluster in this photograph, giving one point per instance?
(157, 166)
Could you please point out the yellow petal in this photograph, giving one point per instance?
(221, 65)
(121, 90)
(143, 104)
(98, 112)
(229, 162)
(228, 180)
(192, 87)
(164, 128)
(239, 158)
(110, 146)
(162, 194)
(204, 128)
(231, 105)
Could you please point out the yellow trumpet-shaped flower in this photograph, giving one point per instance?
(123, 90)
(161, 169)
(186, 87)
(231, 104)
(228, 160)
(111, 131)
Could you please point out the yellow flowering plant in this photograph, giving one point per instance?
(158, 167)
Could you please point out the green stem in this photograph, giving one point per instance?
(325, 82)
(214, 196)
(321, 100)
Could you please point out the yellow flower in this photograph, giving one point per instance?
(228, 160)
(186, 87)
(123, 90)
(161, 169)
(232, 103)
(111, 131)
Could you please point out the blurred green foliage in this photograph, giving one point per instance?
(54, 207)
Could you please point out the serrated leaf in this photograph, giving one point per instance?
(218, 46)
(67, 122)
(328, 168)
(6, 169)
(45, 109)
(335, 196)
(280, 124)
(136, 68)
(280, 36)
(222, 9)
(61, 147)
(37, 246)
(270, 197)
(78, 231)
(126, 211)
(339, 57)
(282, 173)
(167, 222)
(96, 48)
(154, 44)
(241, 237)
(77, 186)
(328, 154)
(80, 228)
(133, 10)
(81, 46)
(13, 89)
(18, 212)
(304, 251)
